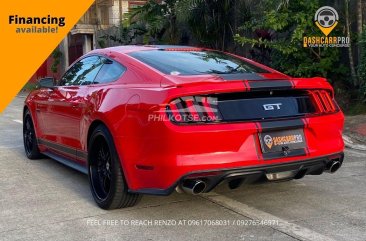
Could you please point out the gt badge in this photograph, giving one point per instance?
(272, 106)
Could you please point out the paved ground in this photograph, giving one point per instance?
(43, 200)
(355, 128)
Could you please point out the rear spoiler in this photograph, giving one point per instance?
(213, 82)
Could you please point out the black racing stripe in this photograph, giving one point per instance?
(241, 76)
(281, 125)
(270, 84)
(274, 155)
(83, 155)
(64, 149)
(58, 147)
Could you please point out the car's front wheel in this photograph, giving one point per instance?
(107, 182)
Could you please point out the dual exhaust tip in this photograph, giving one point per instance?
(333, 166)
(194, 186)
(197, 186)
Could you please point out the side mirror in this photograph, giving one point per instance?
(48, 82)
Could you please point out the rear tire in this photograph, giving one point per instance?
(30, 138)
(107, 182)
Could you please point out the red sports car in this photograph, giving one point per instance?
(154, 119)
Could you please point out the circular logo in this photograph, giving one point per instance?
(268, 141)
(326, 16)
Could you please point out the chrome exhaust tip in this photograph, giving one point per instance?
(333, 167)
(193, 186)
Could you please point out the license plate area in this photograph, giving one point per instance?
(282, 141)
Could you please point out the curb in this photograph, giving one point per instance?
(350, 144)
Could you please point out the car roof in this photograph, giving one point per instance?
(135, 48)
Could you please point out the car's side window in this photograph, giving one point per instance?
(82, 72)
(110, 71)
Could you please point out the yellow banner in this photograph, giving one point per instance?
(30, 31)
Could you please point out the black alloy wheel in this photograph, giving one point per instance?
(29, 137)
(100, 169)
(107, 182)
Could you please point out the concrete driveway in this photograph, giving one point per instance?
(44, 200)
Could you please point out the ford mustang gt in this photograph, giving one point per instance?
(154, 119)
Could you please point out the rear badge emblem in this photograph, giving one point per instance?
(276, 106)
(268, 141)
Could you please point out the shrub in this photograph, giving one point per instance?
(362, 65)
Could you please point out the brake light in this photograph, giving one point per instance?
(323, 101)
(193, 109)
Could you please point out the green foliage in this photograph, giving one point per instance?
(126, 34)
(287, 23)
(56, 55)
(356, 108)
(212, 23)
(158, 20)
(101, 42)
(363, 92)
(362, 65)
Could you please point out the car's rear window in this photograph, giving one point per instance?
(195, 62)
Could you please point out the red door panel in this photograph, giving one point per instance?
(63, 116)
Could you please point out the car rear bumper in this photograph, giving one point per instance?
(157, 155)
(238, 176)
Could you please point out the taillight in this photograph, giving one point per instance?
(323, 101)
(193, 109)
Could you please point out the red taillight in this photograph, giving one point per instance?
(192, 109)
(323, 101)
(174, 107)
(207, 106)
